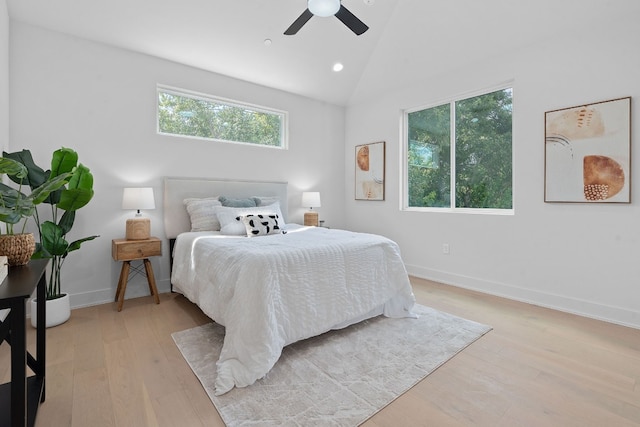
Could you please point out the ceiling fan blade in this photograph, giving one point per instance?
(351, 21)
(298, 23)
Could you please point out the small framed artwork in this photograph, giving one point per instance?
(588, 153)
(370, 164)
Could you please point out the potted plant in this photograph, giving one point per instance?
(75, 193)
(17, 207)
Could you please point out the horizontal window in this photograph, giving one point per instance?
(188, 114)
(464, 145)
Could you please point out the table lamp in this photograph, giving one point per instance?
(311, 199)
(138, 228)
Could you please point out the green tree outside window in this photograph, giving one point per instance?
(188, 115)
(479, 145)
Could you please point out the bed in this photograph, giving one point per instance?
(282, 284)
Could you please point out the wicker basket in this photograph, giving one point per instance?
(17, 247)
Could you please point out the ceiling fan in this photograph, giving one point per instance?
(324, 8)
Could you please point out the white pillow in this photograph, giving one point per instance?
(231, 223)
(202, 213)
(275, 207)
(261, 225)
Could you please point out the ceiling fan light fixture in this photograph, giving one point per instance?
(323, 8)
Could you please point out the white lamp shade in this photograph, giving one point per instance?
(138, 198)
(323, 8)
(311, 199)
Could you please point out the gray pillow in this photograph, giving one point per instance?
(248, 202)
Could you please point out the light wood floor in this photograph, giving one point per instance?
(538, 367)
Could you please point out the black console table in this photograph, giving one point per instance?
(19, 399)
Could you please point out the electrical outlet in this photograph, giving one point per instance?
(445, 248)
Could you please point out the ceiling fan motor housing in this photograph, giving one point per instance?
(323, 8)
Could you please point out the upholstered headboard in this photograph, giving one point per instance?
(176, 218)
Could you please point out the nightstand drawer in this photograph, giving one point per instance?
(126, 250)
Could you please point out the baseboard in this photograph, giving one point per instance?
(617, 315)
(103, 296)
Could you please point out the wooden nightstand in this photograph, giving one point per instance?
(131, 250)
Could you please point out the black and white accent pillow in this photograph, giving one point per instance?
(261, 224)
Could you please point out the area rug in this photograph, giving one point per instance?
(340, 378)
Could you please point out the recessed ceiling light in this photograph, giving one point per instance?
(267, 42)
(337, 67)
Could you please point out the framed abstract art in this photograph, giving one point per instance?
(370, 164)
(588, 153)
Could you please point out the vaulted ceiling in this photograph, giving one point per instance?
(407, 39)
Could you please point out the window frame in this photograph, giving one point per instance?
(404, 155)
(283, 114)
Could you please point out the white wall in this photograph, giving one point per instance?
(4, 75)
(101, 101)
(580, 258)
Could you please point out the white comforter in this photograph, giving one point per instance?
(271, 291)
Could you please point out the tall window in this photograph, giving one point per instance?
(201, 116)
(464, 145)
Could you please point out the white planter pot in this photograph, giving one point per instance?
(58, 311)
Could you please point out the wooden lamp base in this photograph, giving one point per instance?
(138, 229)
(311, 218)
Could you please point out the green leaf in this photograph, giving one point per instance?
(13, 168)
(9, 215)
(14, 205)
(76, 245)
(79, 192)
(41, 193)
(82, 178)
(53, 239)
(35, 175)
(64, 161)
(66, 222)
(24, 207)
(71, 200)
(40, 252)
(9, 195)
